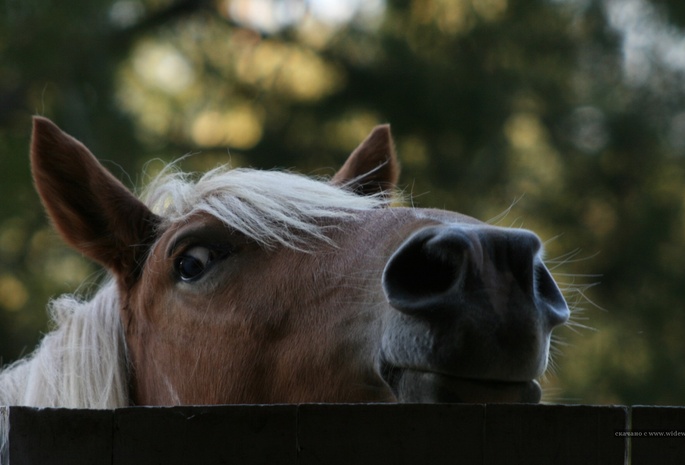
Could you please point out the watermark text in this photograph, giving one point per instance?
(650, 434)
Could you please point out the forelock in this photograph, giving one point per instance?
(271, 207)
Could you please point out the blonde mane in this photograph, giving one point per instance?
(83, 363)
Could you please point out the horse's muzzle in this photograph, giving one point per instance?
(475, 310)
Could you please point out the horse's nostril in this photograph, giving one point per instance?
(448, 267)
(427, 266)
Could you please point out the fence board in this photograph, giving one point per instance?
(60, 436)
(383, 433)
(341, 434)
(238, 434)
(660, 435)
(558, 434)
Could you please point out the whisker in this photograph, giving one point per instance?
(498, 218)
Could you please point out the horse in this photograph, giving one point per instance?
(253, 286)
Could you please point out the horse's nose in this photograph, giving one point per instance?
(453, 267)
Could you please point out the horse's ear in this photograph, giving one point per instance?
(372, 168)
(90, 208)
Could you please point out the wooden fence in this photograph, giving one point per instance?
(347, 434)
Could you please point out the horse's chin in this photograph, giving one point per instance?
(423, 387)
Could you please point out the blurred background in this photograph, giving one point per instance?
(566, 117)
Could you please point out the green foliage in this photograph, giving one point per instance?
(533, 106)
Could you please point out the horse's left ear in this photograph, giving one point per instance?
(372, 168)
(90, 208)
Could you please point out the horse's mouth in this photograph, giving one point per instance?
(412, 385)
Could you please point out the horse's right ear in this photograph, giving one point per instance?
(90, 208)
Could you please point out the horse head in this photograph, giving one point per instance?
(248, 286)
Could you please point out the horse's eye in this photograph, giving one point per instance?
(192, 264)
